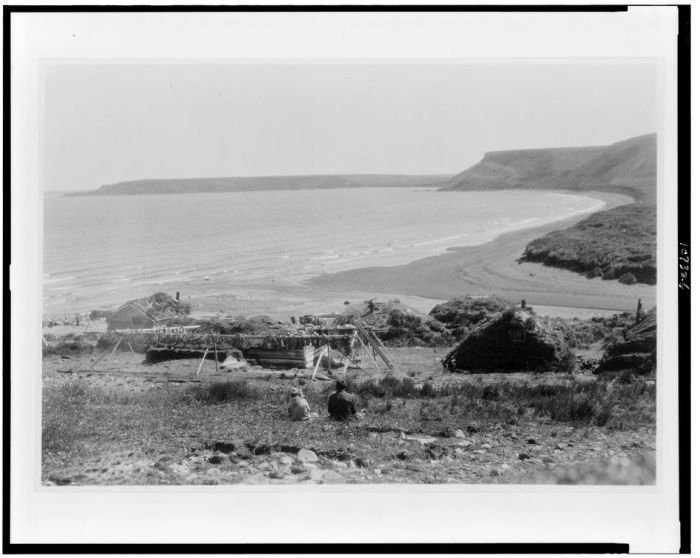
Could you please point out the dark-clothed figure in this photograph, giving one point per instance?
(341, 404)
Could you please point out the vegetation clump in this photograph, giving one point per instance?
(616, 244)
(68, 345)
(459, 315)
(397, 324)
(254, 325)
(634, 350)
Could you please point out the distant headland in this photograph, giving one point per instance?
(259, 183)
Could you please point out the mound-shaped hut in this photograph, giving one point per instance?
(130, 316)
(516, 340)
(142, 313)
(634, 350)
(396, 324)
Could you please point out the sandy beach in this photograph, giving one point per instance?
(492, 268)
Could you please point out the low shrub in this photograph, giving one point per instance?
(223, 392)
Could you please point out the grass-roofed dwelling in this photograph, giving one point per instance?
(144, 313)
(515, 340)
(634, 350)
(130, 316)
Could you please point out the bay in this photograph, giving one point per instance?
(100, 251)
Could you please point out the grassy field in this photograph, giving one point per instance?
(139, 424)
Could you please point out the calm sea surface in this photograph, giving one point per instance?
(99, 251)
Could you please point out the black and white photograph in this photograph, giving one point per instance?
(237, 289)
(276, 271)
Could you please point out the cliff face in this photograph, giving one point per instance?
(626, 166)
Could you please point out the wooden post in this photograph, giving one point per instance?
(116, 346)
(328, 364)
(216, 355)
(202, 362)
(318, 363)
(105, 354)
(369, 354)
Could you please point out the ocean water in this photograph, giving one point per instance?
(102, 251)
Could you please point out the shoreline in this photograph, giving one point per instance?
(492, 268)
(478, 270)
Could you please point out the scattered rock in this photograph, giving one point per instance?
(549, 460)
(276, 475)
(531, 441)
(60, 481)
(480, 451)
(215, 459)
(377, 471)
(421, 439)
(298, 469)
(486, 446)
(244, 453)
(307, 456)
(459, 434)
(464, 444)
(560, 447)
(163, 462)
(472, 429)
(316, 475)
(523, 456)
(494, 473)
(283, 458)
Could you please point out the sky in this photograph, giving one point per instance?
(104, 124)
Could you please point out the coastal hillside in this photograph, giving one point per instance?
(250, 183)
(618, 244)
(627, 166)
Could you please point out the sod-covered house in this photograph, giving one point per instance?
(130, 316)
(515, 340)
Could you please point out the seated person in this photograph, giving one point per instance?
(341, 404)
(298, 408)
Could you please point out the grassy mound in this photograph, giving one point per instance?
(397, 324)
(459, 315)
(254, 325)
(634, 351)
(162, 305)
(515, 340)
(616, 244)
